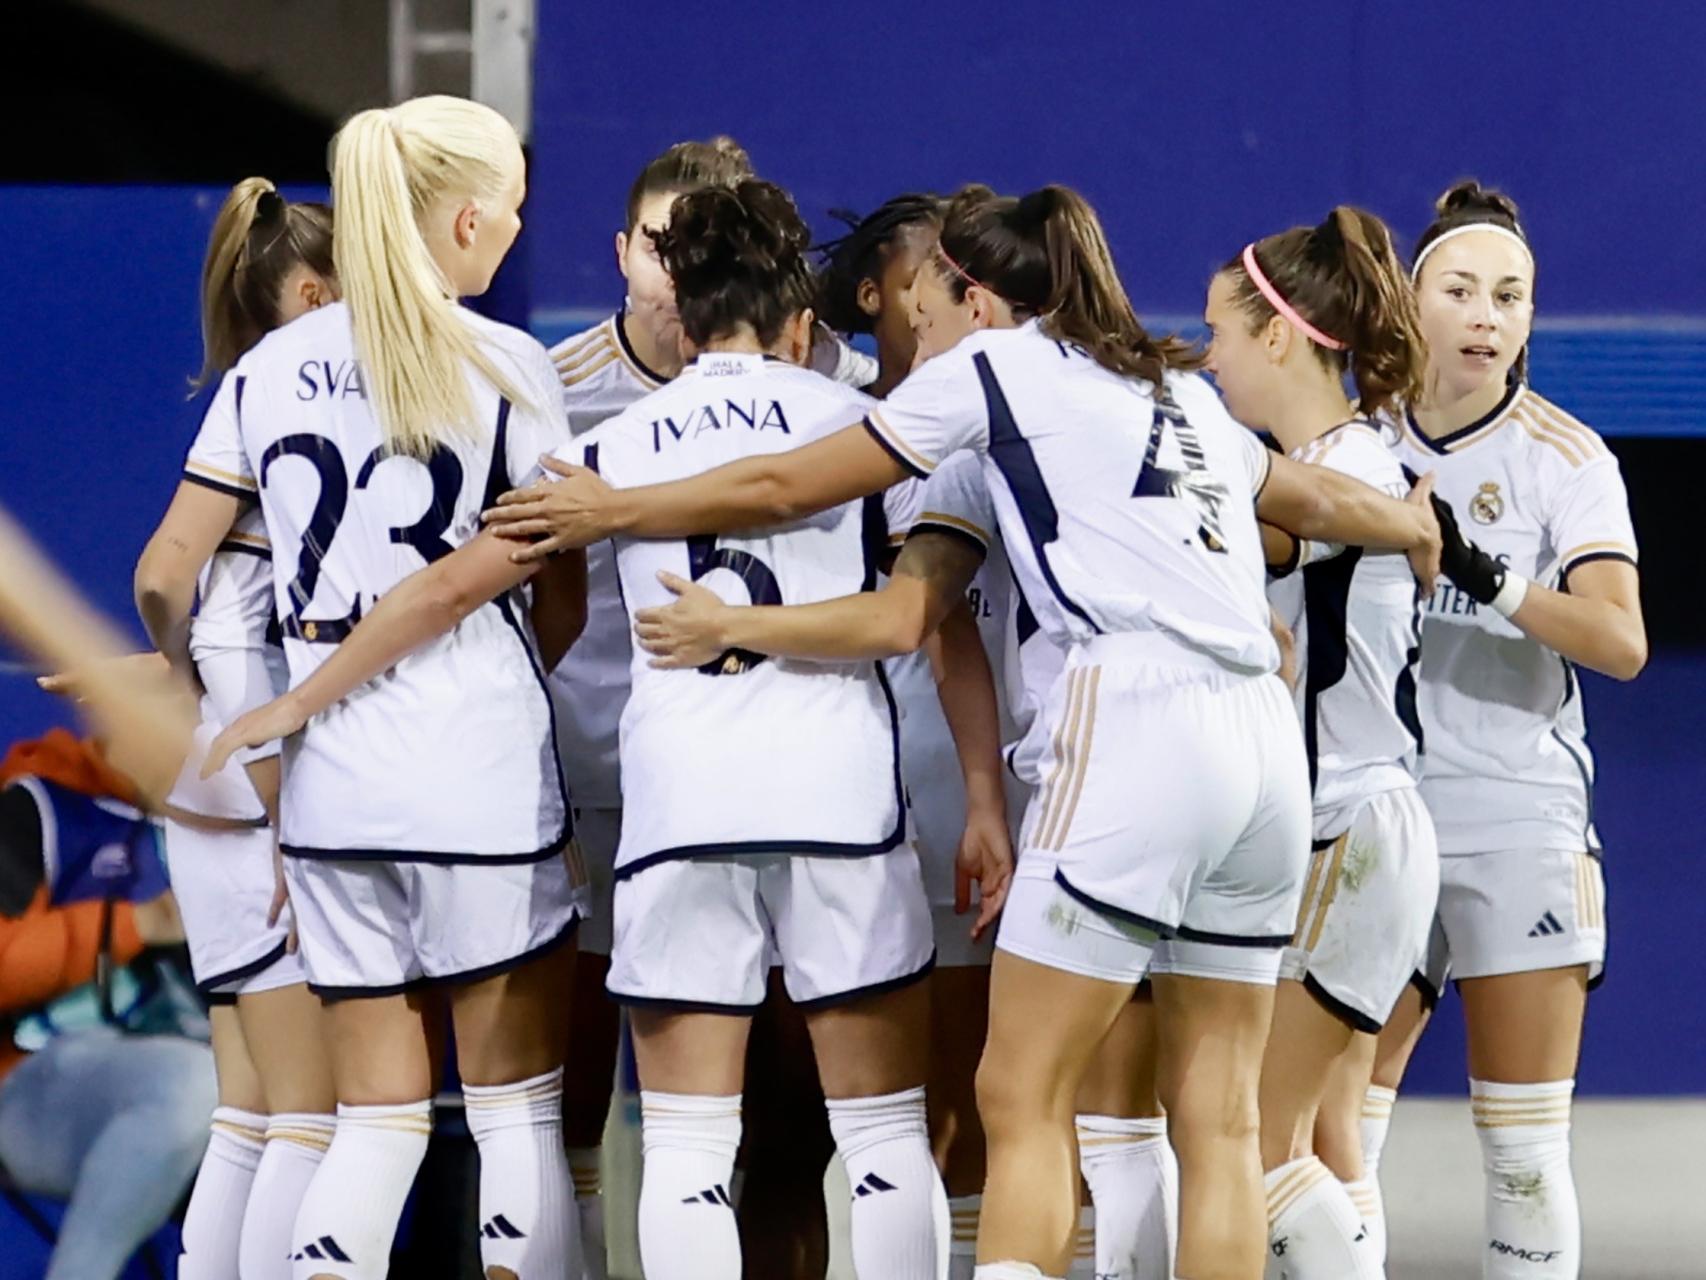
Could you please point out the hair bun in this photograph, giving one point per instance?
(751, 230)
(269, 207)
(1468, 196)
(727, 146)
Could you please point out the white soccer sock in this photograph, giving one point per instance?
(1133, 1177)
(586, 1169)
(1376, 1122)
(1365, 1196)
(899, 1221)
(1011, 1271)
(687, 1219)
(1534, 1226)
(349, 1213)
(214, 1220)
(1314, 1232)
(527, 1213)
(296, 1144)
(963, 1214)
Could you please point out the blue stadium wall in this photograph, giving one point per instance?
(1193, 128)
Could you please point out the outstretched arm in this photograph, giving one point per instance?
(171, 564)
(1329, 506)
(580, 508)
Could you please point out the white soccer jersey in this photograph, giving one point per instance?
(1121, 513)
(1357, 620)
(601, 376)
(750, 754)
(1507, 764)
(236, 621)
(449, 756)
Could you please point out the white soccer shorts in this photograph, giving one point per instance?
(1517, 911)
(1175, 800)
(373, 928)
(223, 879)
(1368, 907)
(700, 934)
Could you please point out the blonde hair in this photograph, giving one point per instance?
(389, 168)
(258, 237)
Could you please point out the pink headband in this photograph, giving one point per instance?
(969, 278)
(1280, 305)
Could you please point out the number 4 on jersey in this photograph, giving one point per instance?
(1196, 484)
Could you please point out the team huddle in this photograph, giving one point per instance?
(1109, 791)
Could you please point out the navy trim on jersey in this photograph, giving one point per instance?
(1326, 596)
(874, 540)
(1404, 696)
(237, 400)
(1430, 994)
(869, 989)
(1591, 556)
(1013, 457)
(1352, 1017)
(1441, 444)
(1589, 835)
(970, 539)
(244, 549)
(497, 480)
(1162, 931)
(207, 985)
(907, 464)
(431, 857)
(1250, 941)
(332, 994)
(628, 348)
(235, 491)
(683, 1006)
(744, 848)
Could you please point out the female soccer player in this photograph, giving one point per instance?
(604, 370)
(268, 262)
(790, 833)
(423, 818)
(1123, 492)
(1290, 316)
(1548, 582)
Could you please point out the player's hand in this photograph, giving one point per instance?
(281, 897)
(553, 515)
(687, 632)
(277, 719)
(149, 667)
(1425, 554)
(985, 857)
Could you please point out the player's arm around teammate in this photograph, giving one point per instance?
(1050, 1020)
(1549, 581)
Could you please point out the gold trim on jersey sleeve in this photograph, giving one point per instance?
(214, 473)
(1593, 548)
(875, 418)
(580, 374)
(954, 522)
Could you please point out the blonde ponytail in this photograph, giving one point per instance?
(389, 168)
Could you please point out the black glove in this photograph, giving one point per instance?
(1470, 569)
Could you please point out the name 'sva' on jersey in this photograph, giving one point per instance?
(751, 754)
(449, 756)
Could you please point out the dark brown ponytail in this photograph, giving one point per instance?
(1344, 278)
(1045, 254)
(258, 237)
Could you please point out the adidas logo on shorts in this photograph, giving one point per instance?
(501, 1228)
(870, 1184)
(1546, 927)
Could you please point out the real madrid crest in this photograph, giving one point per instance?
(1487, 505)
